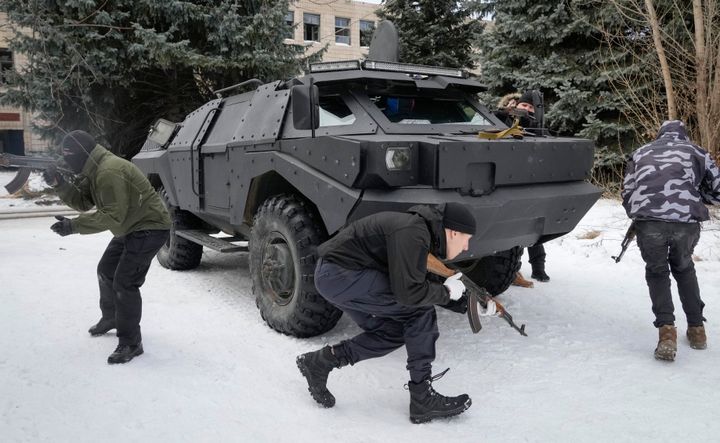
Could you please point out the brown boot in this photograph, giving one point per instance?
(520, 281)
(696, 336)
(667, 344)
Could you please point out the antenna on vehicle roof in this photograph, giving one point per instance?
(385, 43)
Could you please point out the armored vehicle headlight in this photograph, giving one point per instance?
(398, 159)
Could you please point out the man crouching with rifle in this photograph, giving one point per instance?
(375, 270)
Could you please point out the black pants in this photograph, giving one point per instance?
(537, 257)
(121, 272)
(367, 298)
(665, 244)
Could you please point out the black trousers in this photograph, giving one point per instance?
(668, 248)
(367, 298)
(536, 254)
(121, 271)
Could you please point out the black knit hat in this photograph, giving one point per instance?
(458, 218)
(527, 97)
(78, 142)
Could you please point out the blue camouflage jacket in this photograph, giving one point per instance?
(670, 179)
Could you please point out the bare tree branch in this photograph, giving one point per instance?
(660, 49)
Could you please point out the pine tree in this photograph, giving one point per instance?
(557, 47)
(433, 32)
(112, 68)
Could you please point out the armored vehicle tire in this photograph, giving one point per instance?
(495, 272)
(178, 253)
(283, 241)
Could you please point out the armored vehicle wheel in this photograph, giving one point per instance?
(495, 272)
(178, 253)
(283, 240)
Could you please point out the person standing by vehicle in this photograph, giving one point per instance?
(526, 103)
(665, 185)
(128, 206)
(375, 271)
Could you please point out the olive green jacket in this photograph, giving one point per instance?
(125, 200)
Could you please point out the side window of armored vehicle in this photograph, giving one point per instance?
(428, 110)
(335, 112)
(474, 117)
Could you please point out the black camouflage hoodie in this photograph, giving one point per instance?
(670, 178)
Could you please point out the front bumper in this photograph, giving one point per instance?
(508, 217)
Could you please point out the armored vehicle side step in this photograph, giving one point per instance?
(214, 243)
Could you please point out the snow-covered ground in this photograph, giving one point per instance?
(212, 371)
(35, 199)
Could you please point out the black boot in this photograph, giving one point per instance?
(538, 273)
(426, 404)
(315, 367)
(125, 353)
(101, 327)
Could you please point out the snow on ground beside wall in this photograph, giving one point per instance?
(212, 371)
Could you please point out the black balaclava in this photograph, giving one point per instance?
(77, 146)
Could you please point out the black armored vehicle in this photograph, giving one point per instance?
(280, 168)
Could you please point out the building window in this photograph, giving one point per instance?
(290, 22)
(311, 27)
(342, 30)
(6, 64)
(366, 32)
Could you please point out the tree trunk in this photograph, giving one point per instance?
(657, 39)
(702, 110)
(713, 57)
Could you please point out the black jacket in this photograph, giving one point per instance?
(397, 244)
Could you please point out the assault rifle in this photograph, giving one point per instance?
(629, 236)
(475, 296)
(25, 165)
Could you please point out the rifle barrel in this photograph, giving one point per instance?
(22, 161)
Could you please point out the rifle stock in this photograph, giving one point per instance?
(476, 296)
(629, 236)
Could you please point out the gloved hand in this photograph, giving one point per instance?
(63, 226)
(459, 305)
(455, 287)
(52, 177)
(490, 310)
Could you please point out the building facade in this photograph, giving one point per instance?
(16, 135)
(346, 26)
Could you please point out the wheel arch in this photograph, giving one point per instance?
(329, 199)
(156, 166)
